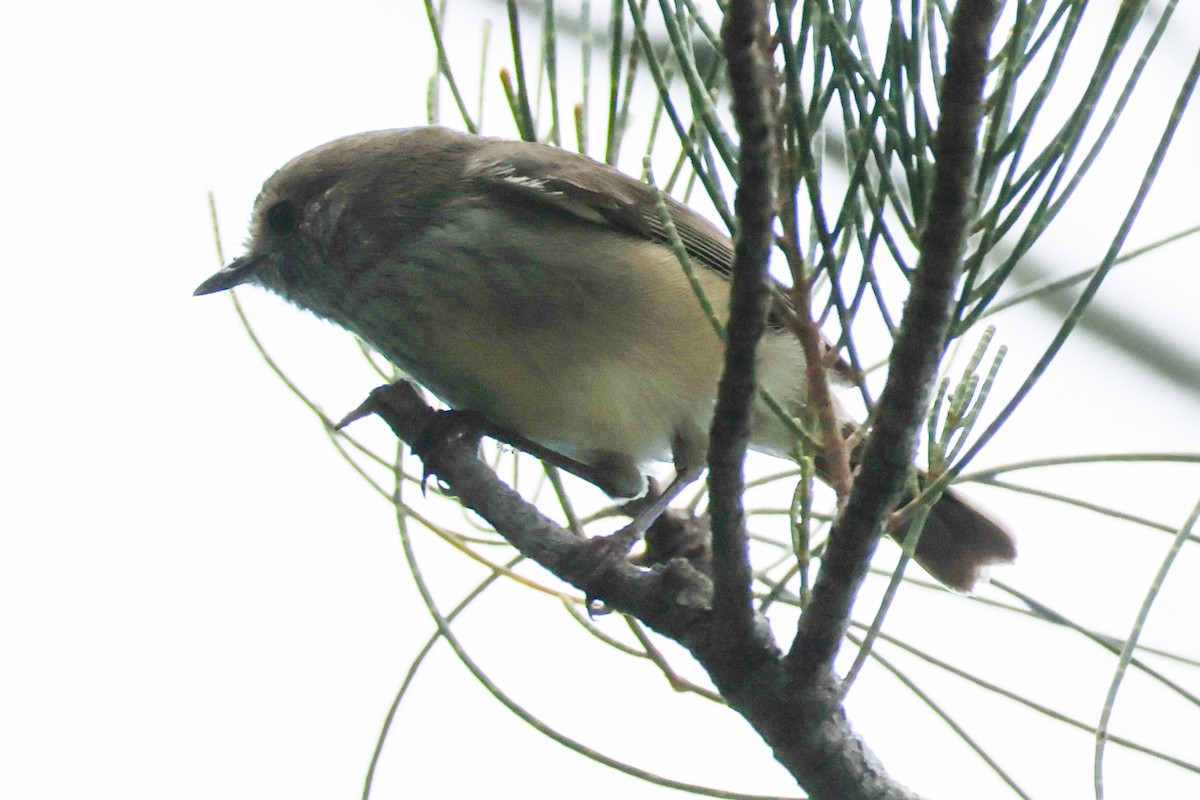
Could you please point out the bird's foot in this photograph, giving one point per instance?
(596, 557)
(470, 426)
(446, 426)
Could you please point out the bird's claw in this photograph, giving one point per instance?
(598, 555)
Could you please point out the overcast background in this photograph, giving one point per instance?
(199, 599)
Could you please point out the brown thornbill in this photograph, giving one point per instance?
(537, 288)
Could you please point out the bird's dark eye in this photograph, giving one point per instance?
(282, 218)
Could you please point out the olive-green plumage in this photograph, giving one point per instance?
(536, 287)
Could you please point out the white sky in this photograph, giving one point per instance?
(199, 599)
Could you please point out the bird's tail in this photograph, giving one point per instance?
(958, 541)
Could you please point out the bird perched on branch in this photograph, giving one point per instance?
(537, 288)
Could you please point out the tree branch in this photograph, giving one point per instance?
(804, 725)
(744, 39)
(905, 400)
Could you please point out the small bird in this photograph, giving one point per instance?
(537, 288)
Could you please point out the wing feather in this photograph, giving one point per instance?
(602, 195)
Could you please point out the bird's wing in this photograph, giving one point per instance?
(597, 193)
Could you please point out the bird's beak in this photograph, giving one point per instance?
(238, 272)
